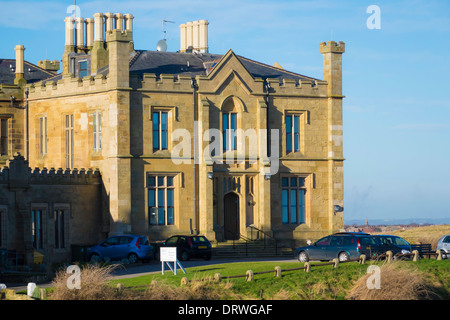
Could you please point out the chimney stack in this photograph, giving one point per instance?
(194, 36)
(19, 64)
(79, 23)
(89, 33)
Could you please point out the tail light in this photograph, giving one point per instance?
(138, 243)
(359, 244)
(190, 241)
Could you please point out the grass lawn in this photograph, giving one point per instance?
(323, 282)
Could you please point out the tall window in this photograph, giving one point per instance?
(43, 135)
(69, 141)
(293, 200)
(59, 229)
(161, 199)
(3, 137)
(97, 131)
(160, 130)
(292, 133)
(37, 228)
(229, 127)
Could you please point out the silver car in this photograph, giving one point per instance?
(444, 246)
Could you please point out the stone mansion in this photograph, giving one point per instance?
(159, 143)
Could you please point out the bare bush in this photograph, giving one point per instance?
(396, 284)
(93, 285)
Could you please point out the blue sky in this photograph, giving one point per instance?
(396, 79)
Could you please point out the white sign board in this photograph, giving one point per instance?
(169, 254)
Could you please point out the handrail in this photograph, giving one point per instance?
(265, 235)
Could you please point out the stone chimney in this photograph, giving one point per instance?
(119, 57)
(79, 24)
(99, 55)
(194, 36)
(89, 33)
(19, 64)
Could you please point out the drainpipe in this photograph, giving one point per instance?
(194, 88)
(267, 86)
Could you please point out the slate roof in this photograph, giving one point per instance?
(173, 63)
(200, 64)
(32, 73)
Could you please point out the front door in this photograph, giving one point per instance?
(231, 216)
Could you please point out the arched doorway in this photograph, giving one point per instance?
(231, 216)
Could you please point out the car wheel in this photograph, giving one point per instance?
(303, 257)
(343, 256)
(444, 255)
(185, 256)
(132, 258)
(208, 257)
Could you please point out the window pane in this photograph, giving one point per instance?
(225, 131)
(161, 198)
(284, 201)
(161, 214)
(293, 202)
(164, 130)
(170, 216)
(151, 181)
(233, 121)
(155, 130)
(170, 197)
(284, 182)
(151, 198)
(169, 181)
(293, 182)
(161, 181)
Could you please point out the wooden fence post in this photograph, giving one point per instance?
(217, 277)
(439, 256)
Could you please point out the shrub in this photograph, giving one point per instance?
(395, 284)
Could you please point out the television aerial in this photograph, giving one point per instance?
(162, 44)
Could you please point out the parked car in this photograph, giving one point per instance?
(392, 243)
(188, 247)
(444, 246)
(131, 247)
(342, 245)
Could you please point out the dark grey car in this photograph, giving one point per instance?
(344, 246)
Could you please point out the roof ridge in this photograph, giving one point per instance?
(276, 69)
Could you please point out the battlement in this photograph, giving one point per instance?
(164, 82)
(69, 84)
(17, 173)
(332, 47)
(301, 87)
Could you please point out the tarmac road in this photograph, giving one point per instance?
(140, 269)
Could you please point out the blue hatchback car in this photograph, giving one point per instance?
(344, 246)
(131, 247)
